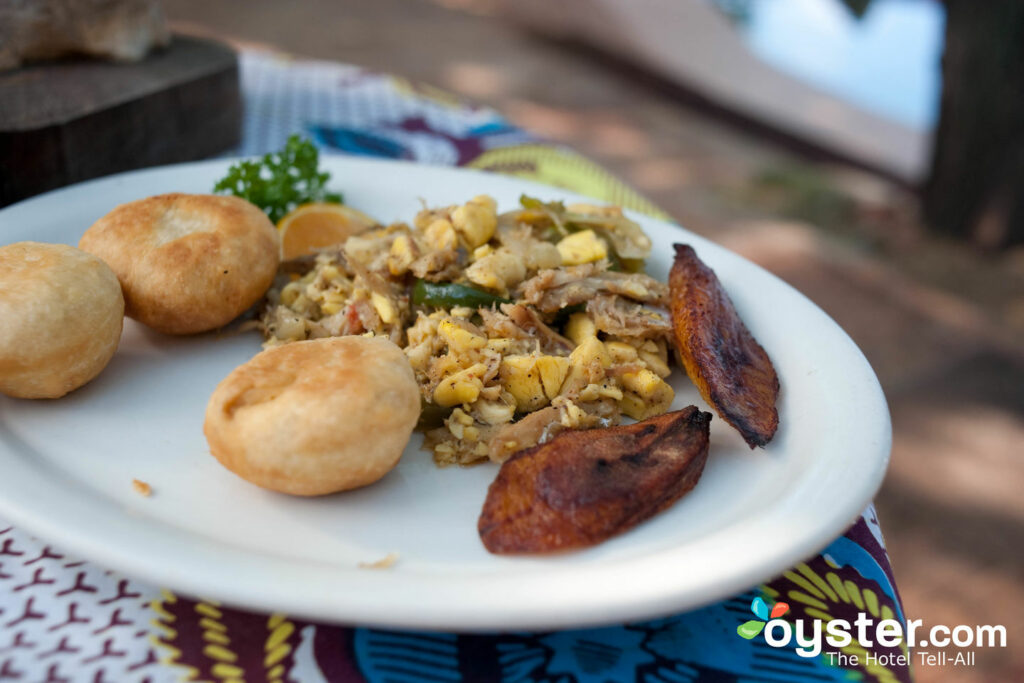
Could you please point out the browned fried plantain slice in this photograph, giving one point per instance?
(731, 370)
(583, 487)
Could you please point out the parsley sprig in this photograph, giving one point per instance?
(280, 181)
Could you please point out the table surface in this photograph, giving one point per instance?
(62, 618)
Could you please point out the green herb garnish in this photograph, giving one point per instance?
(280, 181)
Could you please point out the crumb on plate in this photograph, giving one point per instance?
(385, 562)
(142, 487)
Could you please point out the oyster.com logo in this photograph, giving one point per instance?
(750, 629)
(811, 638)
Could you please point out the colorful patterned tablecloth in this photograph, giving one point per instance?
(64, 619)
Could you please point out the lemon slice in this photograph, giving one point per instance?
(310, 227)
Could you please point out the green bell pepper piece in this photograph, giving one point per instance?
(448, 294)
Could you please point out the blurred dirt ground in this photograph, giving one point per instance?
(942, 324)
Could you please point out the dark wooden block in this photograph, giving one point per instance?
(67, 121)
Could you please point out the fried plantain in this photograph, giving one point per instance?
(731, 370)
(583, 487)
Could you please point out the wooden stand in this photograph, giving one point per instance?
(67, 121)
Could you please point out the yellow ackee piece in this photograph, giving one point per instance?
(401, 255)
(495, 412)
(498, 270)
(621, 352)
(656, 363)
(581, 372)
(463, 386)
(290, 292)
(633, 406)
(459, 340)
(580, 327)
(593, 392)
(521, 378)
(644, 382)
(553, 370)
(588, 350)
(502, 345)
(582, 247)
(653, 393)
(330, 273)
(440, 235)
(384, 308)
(476, 220)
(331, 307)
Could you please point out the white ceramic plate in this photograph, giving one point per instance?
(66, 466)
